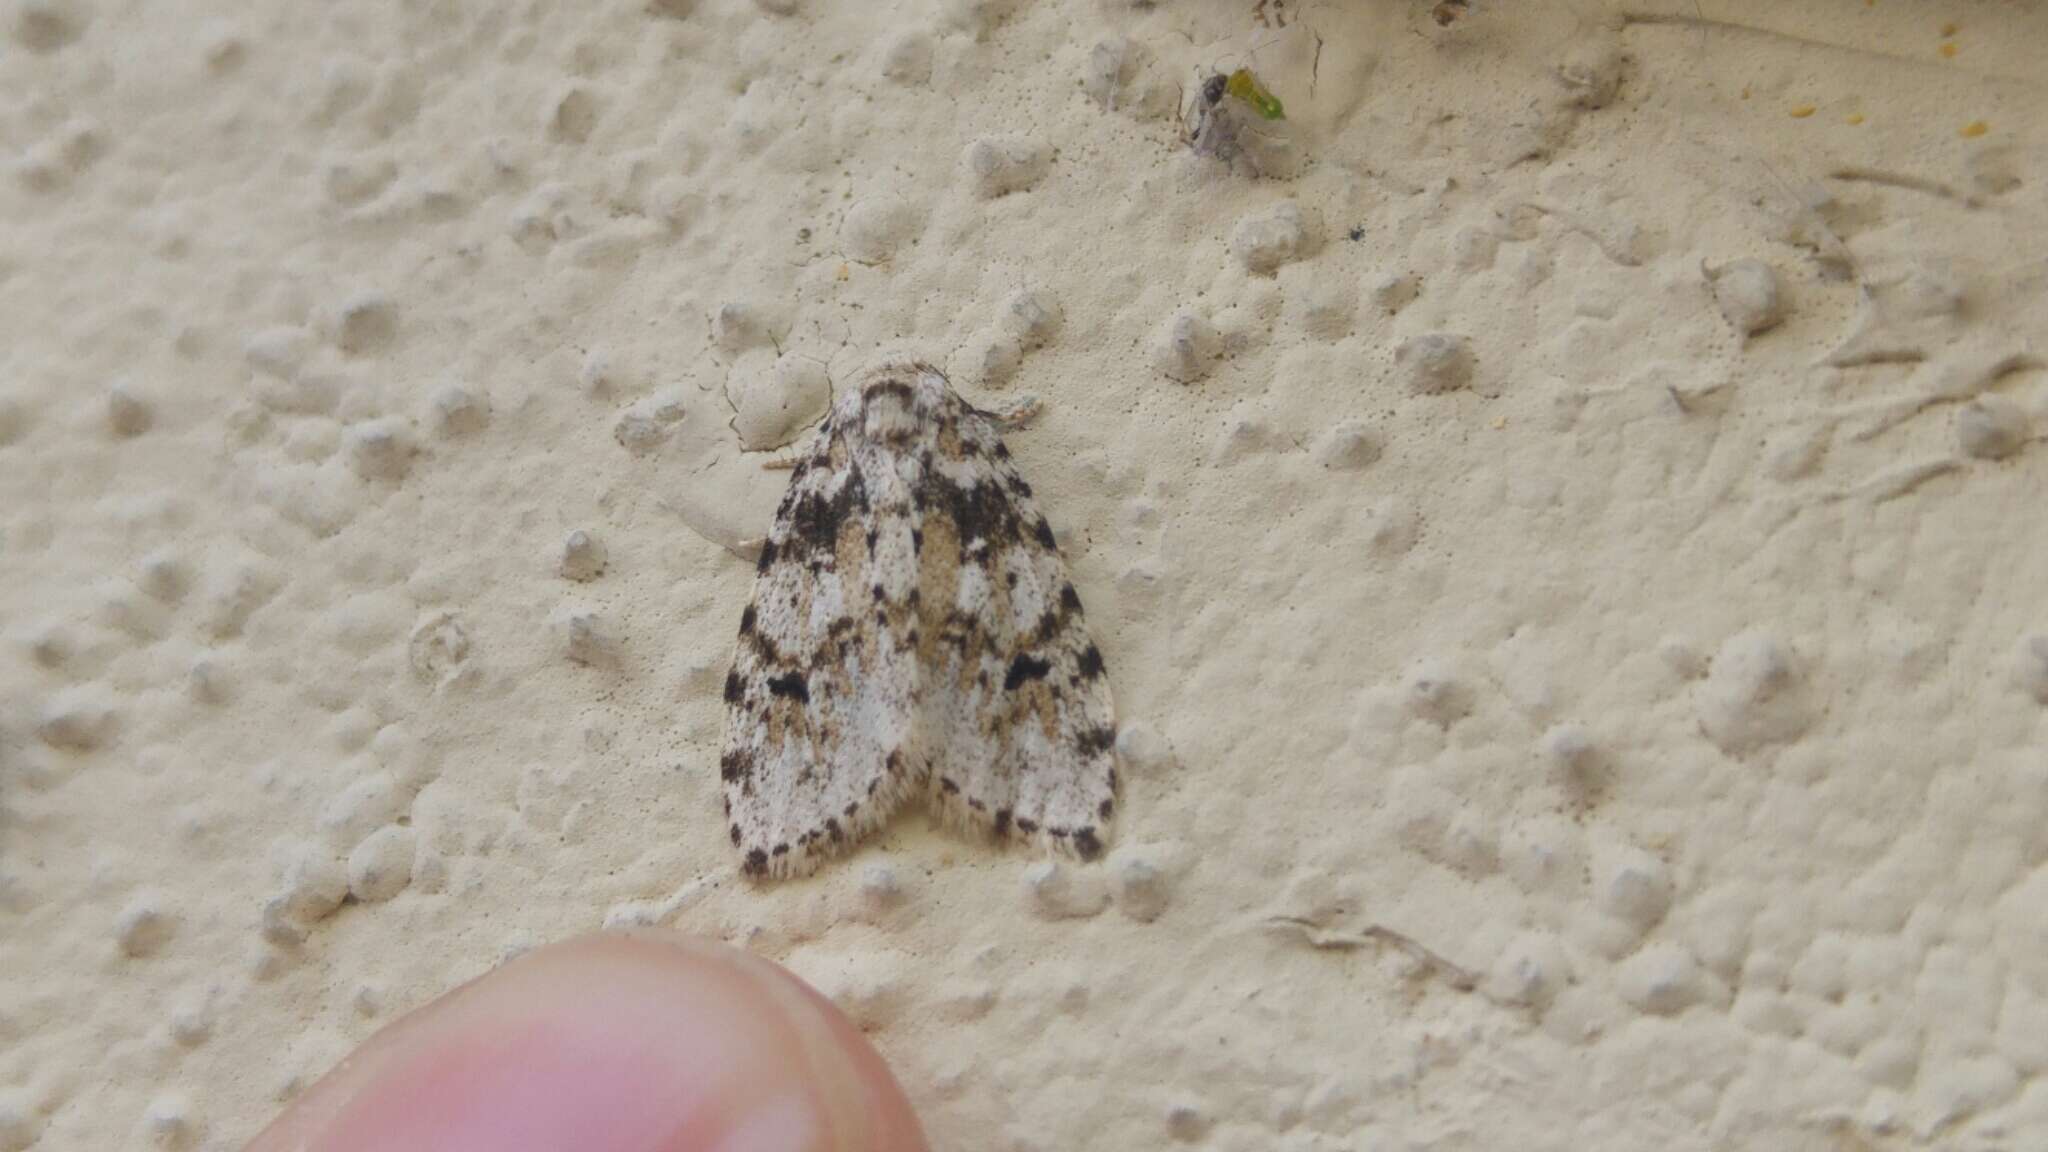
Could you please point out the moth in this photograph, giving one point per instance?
(913, 634)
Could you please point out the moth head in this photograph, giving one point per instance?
(888, 406)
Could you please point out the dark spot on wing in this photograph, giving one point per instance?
(791, 685)
(978, 511)
(757, 862)
(1024, 668)
(770, 654)
(833, 829)
(735, 835)
(1086, 844)
(732, 765)
(1091, 663)
(1096, 741)
(1105, 808)
(1002, 821)
(767, 559)
(747, 620)
(735, 688)
(815, 521)
(946, 785)
(1026, 826)
(1070, 599)
(1043, 531)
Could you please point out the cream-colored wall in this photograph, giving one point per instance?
(1552, 718)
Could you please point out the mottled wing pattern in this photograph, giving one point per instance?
(912, 631)
(821, 699)
(1015, 694)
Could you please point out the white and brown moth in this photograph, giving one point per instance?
(912, 633)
